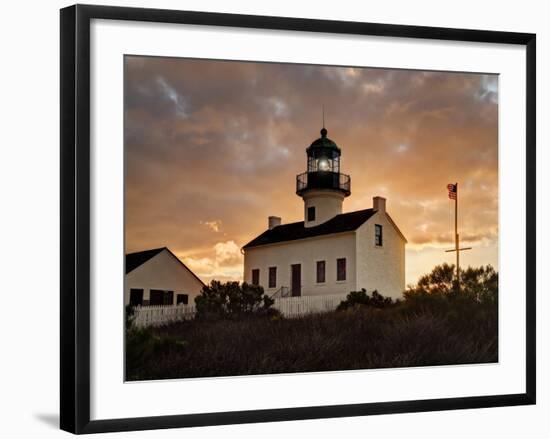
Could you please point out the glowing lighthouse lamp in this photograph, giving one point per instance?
(323, 164)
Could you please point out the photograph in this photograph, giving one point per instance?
(285, 218)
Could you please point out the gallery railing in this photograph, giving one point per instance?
(323, 180)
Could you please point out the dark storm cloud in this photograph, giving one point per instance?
(214, 142)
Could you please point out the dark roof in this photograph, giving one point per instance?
(324, 142)
(134, 260)
(345, 222)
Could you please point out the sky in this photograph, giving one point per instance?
(212, 148)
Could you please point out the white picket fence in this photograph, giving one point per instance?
(158, 315)
(302, 305)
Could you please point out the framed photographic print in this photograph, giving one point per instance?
(304, 218)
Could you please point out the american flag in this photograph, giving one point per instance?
(452, 191)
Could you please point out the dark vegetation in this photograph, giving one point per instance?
(435, 324)
(361, 298)
(232, 300)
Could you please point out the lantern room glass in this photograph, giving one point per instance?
(323, 162)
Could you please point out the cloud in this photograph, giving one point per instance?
(178, 100)
(402, 147)
(212, 225)
(223, 262)
(278, 106)
(212, 143)
(228, 252)
(369, 87)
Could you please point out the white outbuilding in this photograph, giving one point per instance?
(158, 277)
(330, 252)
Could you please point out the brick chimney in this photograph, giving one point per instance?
(379, 203)
(273, 221)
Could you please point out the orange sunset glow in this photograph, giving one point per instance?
(212, 148)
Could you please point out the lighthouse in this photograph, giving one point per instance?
(322, 187)
(329, 252)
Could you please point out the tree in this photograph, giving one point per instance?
(231, 299)
(478, 284)
(481, 283)
(440, 280)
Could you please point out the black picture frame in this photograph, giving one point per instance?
(75, 217)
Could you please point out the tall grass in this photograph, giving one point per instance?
(410, 334)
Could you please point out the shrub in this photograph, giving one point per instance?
(433, 326)
(232, 299)
(479, 285)
(361, 298)
(145, 346)
(360, 338)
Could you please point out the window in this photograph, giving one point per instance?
(183, 299)
(168, 298)
(311, 214)
(256, 276)
(156, 297)
(161, 297)
(321, 272)
(272, 282)
(341, 269)
(378, 234)
(323, 163)
(136, 296)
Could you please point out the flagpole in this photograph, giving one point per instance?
(456, 242)
(453, 195)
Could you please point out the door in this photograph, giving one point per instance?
(296, 279)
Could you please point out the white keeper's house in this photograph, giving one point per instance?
(158, 277)
(330, 252)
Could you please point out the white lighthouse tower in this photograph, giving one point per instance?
(323, 188)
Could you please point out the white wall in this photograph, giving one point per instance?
(368, 266)
(381, 268)
(305, 252)
(29, 380)
(327, 205)
(162, 272)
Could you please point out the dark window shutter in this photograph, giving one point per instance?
(136, 296)
(341, 269)
(156, 297)
(321, 272)
(272, 283)
(378, 234)
(168, 297)
(256, 276)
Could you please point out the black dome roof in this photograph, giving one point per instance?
(324, 141)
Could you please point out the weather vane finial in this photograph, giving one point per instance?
(323, 130)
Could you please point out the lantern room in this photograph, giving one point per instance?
(323, 168)
(323, 187)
